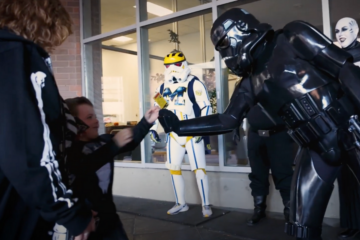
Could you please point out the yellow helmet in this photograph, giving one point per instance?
(174, 58)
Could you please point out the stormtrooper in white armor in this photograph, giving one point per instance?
(188, 98)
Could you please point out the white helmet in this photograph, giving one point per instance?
(176, 68)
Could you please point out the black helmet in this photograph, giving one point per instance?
(235, 34)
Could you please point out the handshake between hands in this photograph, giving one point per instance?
(170, 123)
(125, 136)
(167, 119)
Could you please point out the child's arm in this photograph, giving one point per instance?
(80, 163)
(142, 128)
(154, 136)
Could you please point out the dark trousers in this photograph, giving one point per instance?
(349, 194)
(109, 228)
(349, 183)
(42, 230)
(276, 152)
(313, 184)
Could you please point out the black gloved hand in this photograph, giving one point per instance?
(169, 121)
(236, 136)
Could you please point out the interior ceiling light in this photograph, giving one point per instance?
(122, 39)
(156, 9)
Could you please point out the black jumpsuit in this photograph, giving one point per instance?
(269, 147)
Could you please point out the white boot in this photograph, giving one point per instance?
(60, 232)
(179, 191)
(206, 210)
(203, 186)
(178, 208)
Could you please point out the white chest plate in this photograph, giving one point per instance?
(177, 96)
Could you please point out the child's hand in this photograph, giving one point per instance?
(90, 228)
(152, 114)
(123, 137)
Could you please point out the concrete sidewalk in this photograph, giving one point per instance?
(147, 220)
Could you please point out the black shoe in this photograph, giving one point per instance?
(287, 210)
(349, 234)
(259, 210)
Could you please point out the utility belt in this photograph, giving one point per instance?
(308, 123)
(270, 132)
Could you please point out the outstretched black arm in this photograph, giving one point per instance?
(240, 103)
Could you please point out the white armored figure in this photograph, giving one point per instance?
(188, 98)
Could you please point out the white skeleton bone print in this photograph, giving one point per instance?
(48, 157)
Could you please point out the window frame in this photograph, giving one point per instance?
(142, 47)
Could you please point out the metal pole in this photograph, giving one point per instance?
(142, 37)
(326, 18)
(175, 24)
(202, 38)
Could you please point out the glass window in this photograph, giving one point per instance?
(276, 13)
(157, 8)
(101, 16)
(112, 85)
(235, 151)
(339, 10)
(190, 36)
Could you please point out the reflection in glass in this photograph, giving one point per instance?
(340, 10)
(276, 13)
(158, 8)
(235, 150)
(101, 16)
(191, 36)
(112, 84)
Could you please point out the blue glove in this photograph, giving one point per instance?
(154, 136)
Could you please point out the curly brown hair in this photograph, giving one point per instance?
(45, 22)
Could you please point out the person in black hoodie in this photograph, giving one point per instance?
(33, 125)
(91, 163)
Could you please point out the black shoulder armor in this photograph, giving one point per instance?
(311, 45)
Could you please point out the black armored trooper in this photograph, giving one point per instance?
(297, 75)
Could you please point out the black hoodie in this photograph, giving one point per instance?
(31, 131)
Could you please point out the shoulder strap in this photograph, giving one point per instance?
(197, 111)
(191, 94)
(191, 90)
(161, 89)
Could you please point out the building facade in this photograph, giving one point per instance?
(115, 58)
